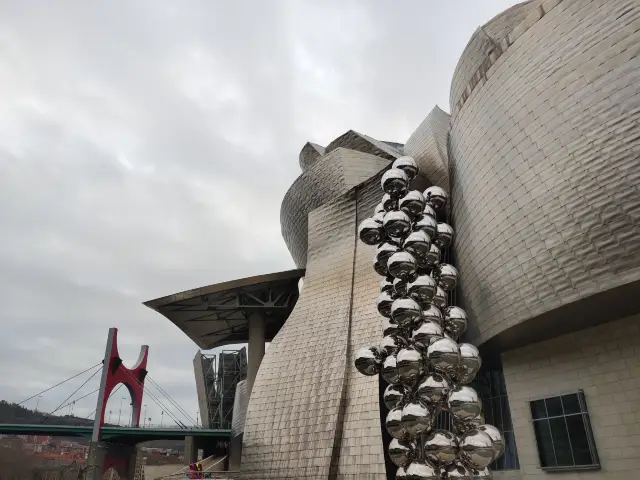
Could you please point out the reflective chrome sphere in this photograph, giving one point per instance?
(433, 314)
(433, 257)
(419, 470)
(476, 449)
(412, 203)
(455, 321)
(389, 203)
(378, 218)
(416, 418)
(386, 285)
(405, 311)
(462, 427)
(436, 196)
(496, 439)
(400, 452)
(469, 365)
(408, 165)
(417, 244)
(464, 403)
(426, 333)
(394, 182)
(384, 304)
(370, 232)
(402, 265)
(427, 224)
(367, 360)
(440, 298)
(394, 425)
(393, 396)
(391, 344)
(444, 355)
(401, 473)
(399, 287)
(409, 364)
(384, 252)
(484, 474)
(440, 447)
(379, 268)
(444, 235)
(422, 289)
(379, 208)
(388, 328)
(457, 471)
(428, 211)
(433, 390)
(389, 371)
(396, 223)
(448, 277)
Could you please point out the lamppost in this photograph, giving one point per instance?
(109, 420)
(38, 402)
(144, 417)
(120, 411)
(161, 418)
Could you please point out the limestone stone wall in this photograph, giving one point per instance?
(603, 361)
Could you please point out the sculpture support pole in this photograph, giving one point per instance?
(256, 348)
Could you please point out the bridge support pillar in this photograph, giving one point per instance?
(256, 348)
(106, 455)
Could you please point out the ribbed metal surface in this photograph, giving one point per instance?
(546, 170)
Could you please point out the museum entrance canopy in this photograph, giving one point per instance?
(219, 314)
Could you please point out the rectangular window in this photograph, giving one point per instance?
(563, 433)
(490, 385)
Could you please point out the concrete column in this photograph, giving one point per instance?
(106, 455)
(256, 348)
(190, 450)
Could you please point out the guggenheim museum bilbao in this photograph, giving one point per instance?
(540, 156)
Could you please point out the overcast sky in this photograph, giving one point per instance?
(145, 147)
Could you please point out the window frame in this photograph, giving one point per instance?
(586, 419)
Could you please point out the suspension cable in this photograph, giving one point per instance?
(74, 392)
(96, 409)
(175, 404)
(78, 399)
(58, 384)
(155, 399)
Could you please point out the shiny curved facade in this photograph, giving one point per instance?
(428, 146)
(546, 171)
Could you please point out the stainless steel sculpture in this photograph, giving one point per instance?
(427, 370)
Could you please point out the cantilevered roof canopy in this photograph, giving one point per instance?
(218, 314)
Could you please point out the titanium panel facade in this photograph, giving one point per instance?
(545, 166)
(428, 146)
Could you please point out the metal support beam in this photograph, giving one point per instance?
(256, 347)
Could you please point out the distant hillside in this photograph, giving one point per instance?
(12, 413)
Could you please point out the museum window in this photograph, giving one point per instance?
(490, 385)
(563, 433)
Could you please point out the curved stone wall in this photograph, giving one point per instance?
(329, 177)
(428, 145)
(310, 154)
(546, 172)
(311, 415)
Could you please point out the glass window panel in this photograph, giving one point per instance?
(561, 443)
(579, 440)
(545, 445)
(506, 413)
(497, 414)
(503, 384)
(488, 414)
(571, 404)
(510, 453)
(554, 406)
(538, 409)
(495, 382)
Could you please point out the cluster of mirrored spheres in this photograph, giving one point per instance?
(426, 369)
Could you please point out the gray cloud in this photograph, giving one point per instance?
(145, 148)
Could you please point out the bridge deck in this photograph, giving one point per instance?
(125, 434)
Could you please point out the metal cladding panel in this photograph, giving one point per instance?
(361, 455)
(240, 402)
(310, 154)
(428, 146)
(311, 415)
(331, 176)
(545, 165)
